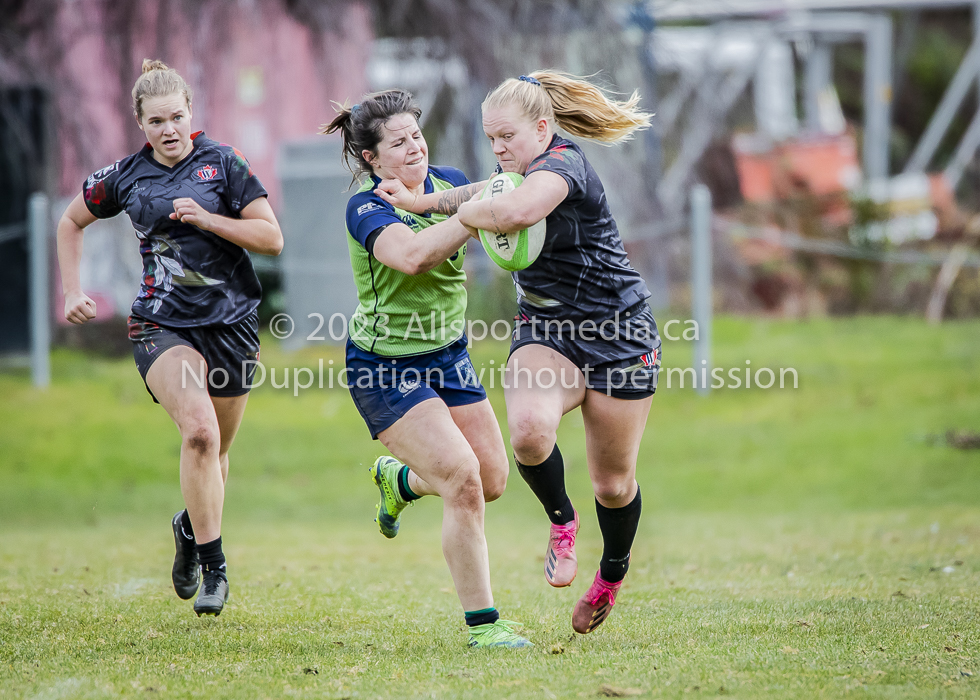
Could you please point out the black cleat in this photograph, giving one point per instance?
(213, 595)
(186, 573)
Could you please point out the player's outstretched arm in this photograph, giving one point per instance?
(400, 248)
(257, 231)
(447, 202)
(530, 202)
(79, 308)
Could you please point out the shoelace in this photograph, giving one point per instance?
(562, 538)
(211, 583)
(500, 628)
(600, 588)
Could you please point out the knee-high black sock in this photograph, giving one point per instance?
(547, 480)
(618, 526)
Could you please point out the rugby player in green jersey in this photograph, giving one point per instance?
(408, 370)
(583, 316)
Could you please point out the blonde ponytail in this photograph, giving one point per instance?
(573, 103)
(150, 64)
(157, 80)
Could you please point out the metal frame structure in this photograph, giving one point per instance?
(820, 24)
(716, 95)
(40, 228)
(966, 75)
(685, 10)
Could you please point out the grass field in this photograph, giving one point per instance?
(810, 542)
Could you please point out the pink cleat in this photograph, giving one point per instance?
(560, 563)
(594, 607)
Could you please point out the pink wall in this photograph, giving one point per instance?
(259, 77)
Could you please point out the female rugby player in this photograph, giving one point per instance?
(408, 370)
(585, 336)
(197, 208)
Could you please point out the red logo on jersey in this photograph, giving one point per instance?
(208, 172)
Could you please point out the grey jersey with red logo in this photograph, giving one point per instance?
(191, 277)
(582, 271)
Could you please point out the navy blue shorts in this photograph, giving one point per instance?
(620, 357)
(385, 388)
(230, 352)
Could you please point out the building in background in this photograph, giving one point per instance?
(262, 75)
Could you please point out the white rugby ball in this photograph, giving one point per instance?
(511, 251)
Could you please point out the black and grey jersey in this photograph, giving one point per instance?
(191, 277)
(582, 271)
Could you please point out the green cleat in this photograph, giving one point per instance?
(497, 634)
(385, 475)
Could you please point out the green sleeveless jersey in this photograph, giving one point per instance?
(399, 314)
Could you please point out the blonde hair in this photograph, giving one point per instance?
(157, 80)
(576, 105)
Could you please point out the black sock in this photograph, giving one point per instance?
(187, 530)
(547, 480)
(403, 488)
(211, 555)
(482, 617)
(618, 526)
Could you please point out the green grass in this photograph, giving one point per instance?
(816, 542)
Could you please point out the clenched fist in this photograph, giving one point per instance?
(79, 308)
(190, 212)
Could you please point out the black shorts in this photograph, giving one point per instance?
(230, 352)
(619, 356)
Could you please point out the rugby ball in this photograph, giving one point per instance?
(511, 251)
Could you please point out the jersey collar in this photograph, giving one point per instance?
(197, 138)
(555, 141)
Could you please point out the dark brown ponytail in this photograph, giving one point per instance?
(361, 125)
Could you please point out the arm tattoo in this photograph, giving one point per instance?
(450, 200)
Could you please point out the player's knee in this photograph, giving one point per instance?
(613, 490)
(532, 440)
(465, 487)
(494, 485)
(201, 438)
(493, 473)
